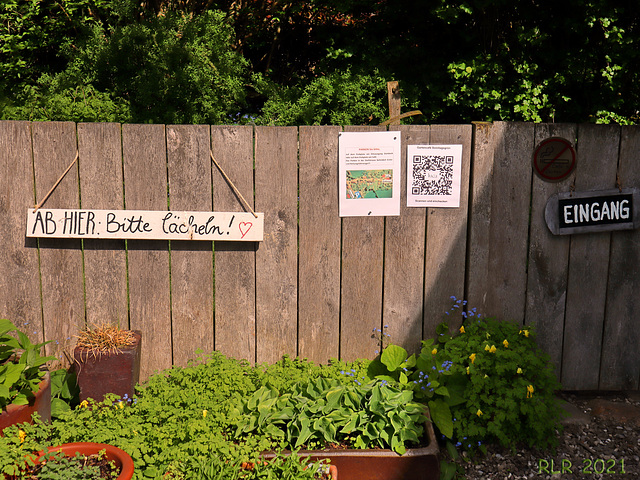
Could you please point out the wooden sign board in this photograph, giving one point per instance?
(145, 224)
(600, 211)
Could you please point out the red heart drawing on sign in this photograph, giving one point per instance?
(244, 228)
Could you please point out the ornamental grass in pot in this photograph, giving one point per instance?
(25, 387)
(107, 360)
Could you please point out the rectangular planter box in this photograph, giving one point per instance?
(379, 464)
(108, 372)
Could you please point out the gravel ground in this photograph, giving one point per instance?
(601, 440)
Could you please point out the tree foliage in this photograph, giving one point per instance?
(319, 61)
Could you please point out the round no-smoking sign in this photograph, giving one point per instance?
(554, 159)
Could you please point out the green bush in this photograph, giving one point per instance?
(489, 383)
(174, 68)
(510, 393)
(339, 98)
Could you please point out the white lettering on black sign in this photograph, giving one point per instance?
(583, 212)
(595, 211)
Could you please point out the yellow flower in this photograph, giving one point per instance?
(121, 405)
(486, 347)
(84, 404)
(204, 413)
(505, 343)
(479, 412)
(472, 357)
(493, 349)
(22, 435)
(529, 391)
(434, 351)
(486, 376)
(519, 371)
(462, 329)
(524, 332)
(467, 370)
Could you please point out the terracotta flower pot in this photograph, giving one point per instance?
(109, 372)
(121, 458)
(22, 413)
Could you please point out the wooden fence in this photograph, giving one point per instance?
(318, 285)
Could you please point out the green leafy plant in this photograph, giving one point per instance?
(510, 393)
(64, 391)
(287, 467)
(21, 366)
(489, 383)
(57, 466)
(429, 377)
(326, 411)
(184, 421)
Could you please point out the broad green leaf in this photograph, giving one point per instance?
(6, 326)
(393, 356)
(12, 374)
(386, 378)
(4, 392)
(334, 396)
(59, 406)
(442, 391)
(441, 416)
(21, 399)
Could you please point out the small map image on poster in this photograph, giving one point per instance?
(369, 184)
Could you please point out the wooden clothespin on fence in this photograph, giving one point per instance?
(394, 98)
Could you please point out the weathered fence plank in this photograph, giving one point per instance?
(588, 264)
(235, 262)
(145, 179)
(403, 245)
(620, 364)
(445, 258)
(54, 148)
(486, 136)
(510, 198)
(19, 273)
(105, 265)
(276, 176)
(319, 264)
(189, 171)
(548, 257)
(361, 283)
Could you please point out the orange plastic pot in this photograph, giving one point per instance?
(22, 413)
(113, 454)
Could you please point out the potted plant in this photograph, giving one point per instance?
(107, 360)
(85, 460)
(25, 387)
(367, 430)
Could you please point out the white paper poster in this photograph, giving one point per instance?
(369, 173)
(434, 174)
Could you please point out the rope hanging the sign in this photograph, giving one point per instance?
(237, 192)
(57, 183)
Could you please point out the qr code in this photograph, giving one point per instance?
(432, 175)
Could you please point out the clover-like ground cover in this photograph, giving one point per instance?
(215, 416)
